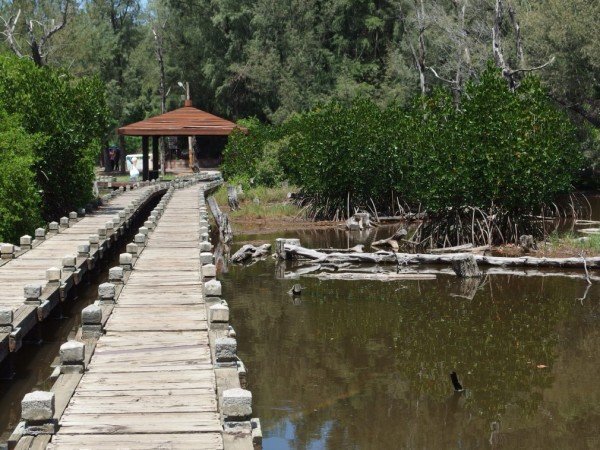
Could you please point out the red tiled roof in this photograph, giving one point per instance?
(186, 121)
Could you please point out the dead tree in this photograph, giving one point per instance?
(38, 34)
(162, 90)
(513, 76)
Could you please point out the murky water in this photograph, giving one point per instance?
(365, 365)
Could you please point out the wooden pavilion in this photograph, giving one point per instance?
(186, 121)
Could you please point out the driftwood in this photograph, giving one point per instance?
(221, 257)
(519, 272)
(383, 257)
(383, 276)
(225, 231)
(232, 199)
(249, 251)
(394, 241)
(356, 249)
(465, 266)
(295, 290)
(456, 249)
(589, 230)
(359, 221)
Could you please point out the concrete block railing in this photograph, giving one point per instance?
(38, 407)
(234, 399)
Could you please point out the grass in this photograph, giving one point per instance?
(261, 203)
(572, 244)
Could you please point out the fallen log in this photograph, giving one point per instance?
(456, 249)
(383, 257)
(357, 248)
(393, 241)
(574, 275)
(222, 220)
(384, 276)
(249, 251)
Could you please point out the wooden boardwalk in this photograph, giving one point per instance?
(30, 267)
(150, 382)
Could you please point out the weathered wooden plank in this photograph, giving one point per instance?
(33, 442)
(106, 423)
(209, 391)
(180, 402)
(130, 384)
(63, 389)
(182, 441)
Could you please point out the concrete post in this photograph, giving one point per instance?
(37, 410)
(144, 231)
(94, 240)
(69, 262)
(212, 288)
(72, 217)
(72, 357)
(140, 240)
(219, 313)
(206, 258)
(53, 275)
(53, 227)
(209, 271)
(109, 226)
(206, 246)
(83, 250)
(40, 234)
(6, 318)
(32, 293)
(91, 321)
(225, 349)
(115, 275)
(25, 242)
(237, 404)
(126, 261)
(132, 248)
(106, 293)
(7, 251)
(64, 223)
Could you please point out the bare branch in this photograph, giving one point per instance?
(452, 82)
(9, 32)
(531, 69)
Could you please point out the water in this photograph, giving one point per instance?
(365, 365)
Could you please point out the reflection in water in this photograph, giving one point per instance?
(366, 365)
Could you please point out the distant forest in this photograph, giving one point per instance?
(271, 58)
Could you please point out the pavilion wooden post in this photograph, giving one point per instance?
(155, 157)
(122, 154)
(145, 165)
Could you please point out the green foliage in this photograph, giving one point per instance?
(512, 149)
(19, 199)
(73, 117)
(255, 155)
(505, 152)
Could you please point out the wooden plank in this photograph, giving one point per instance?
(183, 441)
(63, 389)
(147, 392)
(107, 423)
(178, 402)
